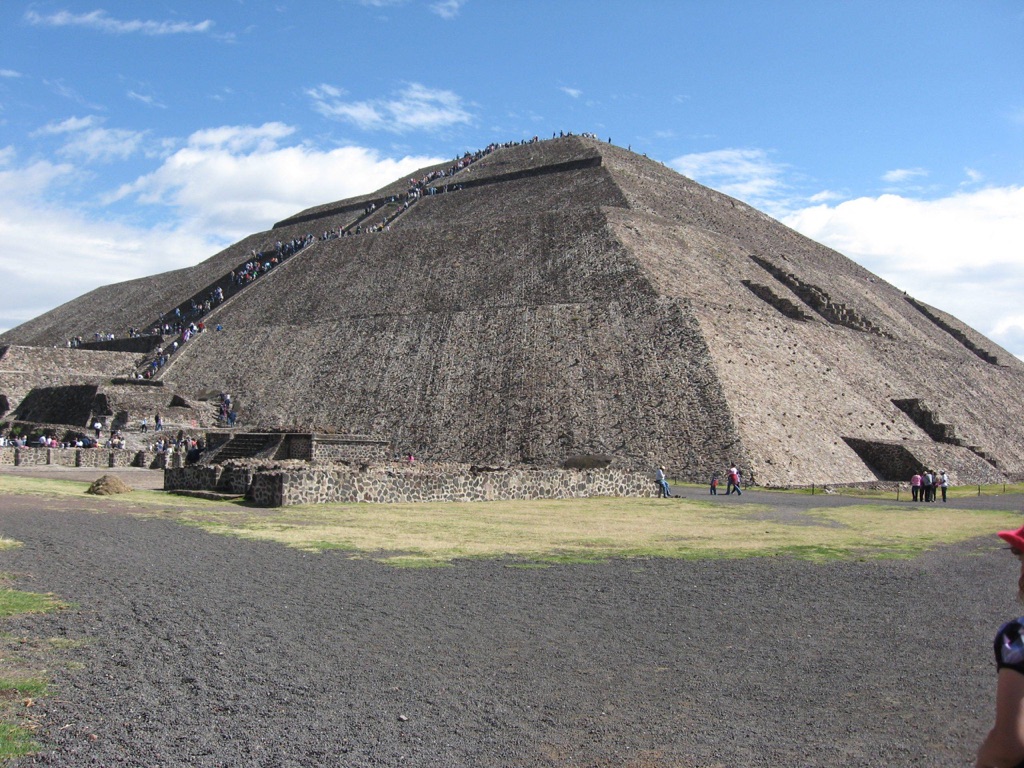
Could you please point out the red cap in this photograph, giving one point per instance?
(1014, 538)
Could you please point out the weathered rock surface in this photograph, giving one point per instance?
(571, 299)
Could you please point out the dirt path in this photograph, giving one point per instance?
(210, 651)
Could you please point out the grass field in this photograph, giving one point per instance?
(572, 530)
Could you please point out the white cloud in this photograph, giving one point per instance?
(415, 107)
(973, 176)
(903, 174)
(87, 140)
(447, 9)
(747, 174)
(9, 73)
(961, 253)
(70, 125)
(235, 180)
(224, 184)
(574, 92)
(826, 195)
(100, 21)
(147, 100)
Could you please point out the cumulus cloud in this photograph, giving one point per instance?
(100, 21)
(415, 107)
(961, 253)
(219, 186)
(748, 174)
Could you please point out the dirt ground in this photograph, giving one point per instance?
(203, 650)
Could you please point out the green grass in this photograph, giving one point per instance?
(571, 531)
(566, 531)
(13, 601)
(23, 675)
(15, 741)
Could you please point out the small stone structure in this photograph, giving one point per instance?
(287, 483)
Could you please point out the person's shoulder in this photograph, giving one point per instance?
(1009, 645)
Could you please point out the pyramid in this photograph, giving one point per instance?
(564, 298)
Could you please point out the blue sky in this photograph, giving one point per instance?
(141, 137)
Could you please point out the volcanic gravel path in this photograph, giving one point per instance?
(204, 650)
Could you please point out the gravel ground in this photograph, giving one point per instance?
(204, 650)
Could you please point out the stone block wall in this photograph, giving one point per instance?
(197, 477)
(78, 457)
(64, 457)
(282, 485)
(297, 447)
(31, 457)
(347, 448)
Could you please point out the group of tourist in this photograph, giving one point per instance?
(924, 486)
(733, 475)
(44, 440)
(226, 414)
(185, 445)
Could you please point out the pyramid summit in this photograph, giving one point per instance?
(548, 299)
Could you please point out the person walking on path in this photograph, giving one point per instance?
(714, 483)
(662, 481)
(733, 483)
(1004, 745)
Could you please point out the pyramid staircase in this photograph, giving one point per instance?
(246, 445)
(939, 431)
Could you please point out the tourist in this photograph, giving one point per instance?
(943, 482)
(143, 426)
(158, 423)
(733, 481)
(1004, 745)
(714, 483)
(915, 486)
(662, 481)
(928, 485)
(98, 428)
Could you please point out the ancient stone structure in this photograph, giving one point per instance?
(276, 485)
(566, 298)
(79, 457)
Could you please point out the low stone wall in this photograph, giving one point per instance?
(197, 477)
(64, 457)
(101, 458)
(347, 448)
(277, 486)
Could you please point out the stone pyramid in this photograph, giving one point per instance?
(567, 297)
